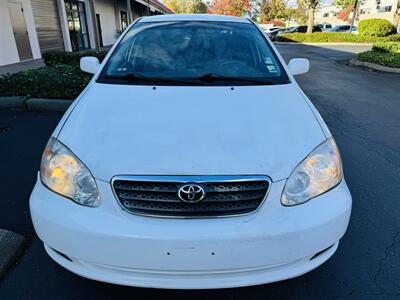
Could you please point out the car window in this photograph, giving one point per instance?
(188, 52)
(302, 29)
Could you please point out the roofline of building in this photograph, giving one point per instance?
(194, 17)
(161, 6)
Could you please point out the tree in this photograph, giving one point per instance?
(396, 19)
(298, 14)
(256, 9)
(231, 7)
(310, 6)
(347, 6)
(187, 6)
(177, 6)
(344, 3)
(198, 7)
(345, 13)
(273, 10)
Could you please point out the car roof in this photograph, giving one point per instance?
(193, 17)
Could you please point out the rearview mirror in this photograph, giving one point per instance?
(299, 66)
(89, 64)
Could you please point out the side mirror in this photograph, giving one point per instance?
(299, 66)
(89, 64)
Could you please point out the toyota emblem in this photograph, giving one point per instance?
(191, 193)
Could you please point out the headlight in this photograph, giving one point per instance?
(317, 173)
(62, 172)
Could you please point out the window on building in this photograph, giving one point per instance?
(382, 9)
(77, 25)
(124, 20)
(325, 15)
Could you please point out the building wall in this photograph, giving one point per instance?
(48, 29)
(45, 13)
(367, 10)
(386, 15)
(8, 47)
(370, 9)
(106, 10)
(327, 15)
(110, 16)
(30, 24)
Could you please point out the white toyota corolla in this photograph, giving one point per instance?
(191, 160)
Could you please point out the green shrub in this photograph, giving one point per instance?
(375, 27)
(392, 47)
(387, 59)
(52, 58)
(334, 37)
(58, 82)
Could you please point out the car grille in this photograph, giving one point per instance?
(158, 195)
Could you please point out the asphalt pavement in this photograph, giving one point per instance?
(362, 109)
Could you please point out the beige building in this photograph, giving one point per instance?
(328, 15)
(29, 28)
(386, 9)
(368, 9)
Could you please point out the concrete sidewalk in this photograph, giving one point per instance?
(22, 66)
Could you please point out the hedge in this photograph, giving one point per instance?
(375, 27)
(387, 59)
(52, 58)
(333, 37)
(393, 47)
(57, 82)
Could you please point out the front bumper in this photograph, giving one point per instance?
(108, 244)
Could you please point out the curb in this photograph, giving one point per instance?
(12, 102)
(372, 66)
(324, 44)
(35, 104)
(42, 104)
(11, 246)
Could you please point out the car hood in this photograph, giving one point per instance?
(143, 130)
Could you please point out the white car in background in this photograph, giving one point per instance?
(191, 160)
(343, 28)
(273, 29)
(325, 26)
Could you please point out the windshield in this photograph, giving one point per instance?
(193, 53)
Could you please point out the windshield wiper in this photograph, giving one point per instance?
(212, 77)
(208, 78)
(128, 77)
(139, 77)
